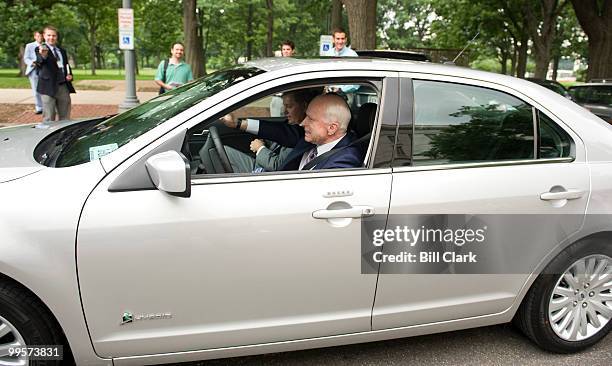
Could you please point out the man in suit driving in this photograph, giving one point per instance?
(325, 128)
(54, 77)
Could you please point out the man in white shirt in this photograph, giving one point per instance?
(29, 58)
(340, 48)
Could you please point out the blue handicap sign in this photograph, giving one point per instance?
(125, 40)
(325, 47)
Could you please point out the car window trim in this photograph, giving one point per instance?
(535, 123)
(508, 90)
(499, 163)
(380, 83)
(205, 179)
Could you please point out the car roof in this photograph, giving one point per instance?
(589, 85)
(291, 65)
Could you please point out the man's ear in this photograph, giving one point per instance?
(333, 128)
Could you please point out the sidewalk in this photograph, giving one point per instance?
(102, 97)
(17, 105)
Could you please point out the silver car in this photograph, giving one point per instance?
(130, 240)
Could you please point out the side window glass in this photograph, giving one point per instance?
(281, 132)
(554, 141)
(456, 123)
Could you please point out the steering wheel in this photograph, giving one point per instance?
(216, 139)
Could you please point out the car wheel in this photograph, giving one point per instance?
(24, 322)
(569, 306)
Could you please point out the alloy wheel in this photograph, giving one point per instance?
(581, 301)
(10, 338)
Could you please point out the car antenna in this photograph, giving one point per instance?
(464, 48)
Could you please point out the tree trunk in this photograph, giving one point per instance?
(249, 45)
(362, 23)
(514, 57)
(194, 53)
(92, 48)
(596, 20)
(556, 60)
(543, 29)
(521, 64)
(269, 46)
(336, 14)
(22, 65)
(504, 62)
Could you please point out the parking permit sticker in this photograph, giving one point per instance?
(96, 152)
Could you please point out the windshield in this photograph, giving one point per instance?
(106, 136)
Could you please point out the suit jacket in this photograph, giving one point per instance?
(29, 56)
(293, 136)
(50, 77)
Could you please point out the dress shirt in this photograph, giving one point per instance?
(344, 52)
(321, 149)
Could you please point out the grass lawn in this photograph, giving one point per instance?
(8, 78)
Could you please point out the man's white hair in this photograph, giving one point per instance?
(336, 110)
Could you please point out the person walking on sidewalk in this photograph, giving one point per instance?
(55, 77)
(173, 72)
(29, 58)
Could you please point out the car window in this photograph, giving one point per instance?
(596, 94)
(554, 142)
(456, 123)
(277, 116)
(79, 146)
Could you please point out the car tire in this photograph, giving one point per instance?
(553, 313)
(25, 320)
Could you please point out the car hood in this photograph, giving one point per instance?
(17, 148)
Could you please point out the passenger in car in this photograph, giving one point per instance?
(325, 134)
(269, 155)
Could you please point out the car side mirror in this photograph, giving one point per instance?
(170, 172)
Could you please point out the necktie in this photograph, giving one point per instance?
(311, 156)
(56, 54)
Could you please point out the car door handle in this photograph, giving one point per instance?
(354, 212)
(570, 194)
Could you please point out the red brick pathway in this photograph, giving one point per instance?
(12, 114)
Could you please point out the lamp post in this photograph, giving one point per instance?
(131, 100)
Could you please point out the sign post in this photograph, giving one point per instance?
(126, 43)
(326, 43)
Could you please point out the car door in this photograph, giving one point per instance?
(462, 152)
(241, 261)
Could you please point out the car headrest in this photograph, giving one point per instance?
(365, 119)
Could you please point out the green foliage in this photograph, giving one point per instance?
(405, 24)
(225, 23)
(18, 21)
(158, 24)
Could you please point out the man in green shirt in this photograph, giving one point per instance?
(173, 72)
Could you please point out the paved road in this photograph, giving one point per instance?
(495, 345)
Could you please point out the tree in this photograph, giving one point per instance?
(18, 21)
(595, 17)
(154, 39)
(336, 14)
(93, 14)
(362, 23)
(513, 11)
(270, 28)
(405, 23)
(541, 19)
(194, 52)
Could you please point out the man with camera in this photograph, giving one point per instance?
(29, 58)
(54, 77)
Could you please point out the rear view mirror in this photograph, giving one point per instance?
(170, 172)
